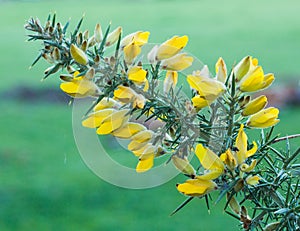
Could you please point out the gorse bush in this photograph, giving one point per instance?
(138, 98)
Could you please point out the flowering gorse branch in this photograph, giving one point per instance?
(129, 104)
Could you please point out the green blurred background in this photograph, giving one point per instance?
(44, 184)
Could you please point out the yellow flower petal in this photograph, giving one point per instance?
(255, 105)
(242, 68)
(248, 168)
(128, 130)
(221, 70)
(145, 164)
(124, 94)
(264, 118)
(131, 51)
(78, 55)
(106, 103)
(241, 144)
(171, 47)
(178, 62)
(229, 159)
(183, 165)
(139, 140)
(113, 122)
(252, 180)
(252, 151)
(79, 87)
(139, 38)
(95, 119)
(253, 80)
(210, 175)
(170, 81)
(137, 74)
(200, 102)
(196, 187)
(209, 160)
(208, 88)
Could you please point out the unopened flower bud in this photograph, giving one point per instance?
(56, 54)
(239, 185)
(90, 73)
(84, 45)
(255, 105)
(79, 38)
(98, 33)
(78, 55)
(233, 204)
(183, 165)
(85, 35)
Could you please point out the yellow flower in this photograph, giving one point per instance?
(128, 95)
(210, 161)
(113, 36)
(208, 90)
(221, 70)
(79, 87)
(113, 122)
(139, 38)
(128, 130)
(171, 47)
(145, 163)
(95, 119)
(106, 103)
(140, 139)
(252, 180)
(183, 165)
(178, 62)
(170, 81)
(131, 51)
(264, 118)
(196, 187)
(203, 184)
(78, 55)
(146, 156)
(244, 66)
(255, 105)
(241, 143)
(229, 159)
(137, 74)
(255, 80)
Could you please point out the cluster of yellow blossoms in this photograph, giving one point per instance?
(112, 114)
(157, 120)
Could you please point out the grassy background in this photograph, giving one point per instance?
(44, 185)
